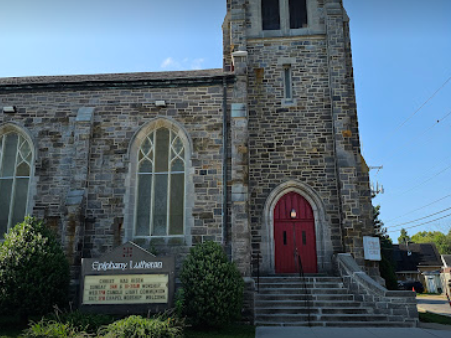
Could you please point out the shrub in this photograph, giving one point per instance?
(137, 326)
(212, 286)
(387, 264)
(80, 321)
(179, 302)
(51, 329)
(34, 272)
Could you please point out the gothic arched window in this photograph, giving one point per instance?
(16, 158)
(160, 189)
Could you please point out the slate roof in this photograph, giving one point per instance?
(422, 255)
(114, 77)
(447, 260)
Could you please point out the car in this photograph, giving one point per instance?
(409, 285)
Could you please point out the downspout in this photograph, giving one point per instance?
(225, 199)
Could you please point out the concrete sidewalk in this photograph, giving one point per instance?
(435, 304)
(372, 332)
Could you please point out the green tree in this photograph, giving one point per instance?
(387, 264)
(442, 241)
(379, 229)
(404, 238)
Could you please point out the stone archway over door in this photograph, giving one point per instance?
(294, 235)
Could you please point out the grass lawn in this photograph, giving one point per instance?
(235, 331)
(428, 317)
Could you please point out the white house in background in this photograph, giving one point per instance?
(445, 275)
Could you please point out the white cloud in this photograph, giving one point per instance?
(197, 63)
(170, 64)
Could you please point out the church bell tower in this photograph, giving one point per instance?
(294, 131)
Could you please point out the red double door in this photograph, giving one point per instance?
(294, 235)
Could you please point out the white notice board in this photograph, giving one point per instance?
(126, 289)
(372, 248)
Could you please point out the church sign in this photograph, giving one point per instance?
(127, 280)
(372, 248)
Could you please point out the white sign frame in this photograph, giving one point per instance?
(372, 248)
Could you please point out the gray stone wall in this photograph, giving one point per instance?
(239, 141)
(313, 140)
(291, 143)
(399, 306)
(352, 181)
(66, 145)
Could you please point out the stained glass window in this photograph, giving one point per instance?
(160, 185)
(15, 171)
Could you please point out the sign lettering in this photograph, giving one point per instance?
(126, 289)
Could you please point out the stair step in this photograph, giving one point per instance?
(311, 310)
(287, 290)
(300, 323)
(285, 318)
(300, 285)
(311, 303)
(369, 324)
(284, 279)
(347, 311)
(290, 318)
(289, 311)
(338, 324)
(303, 297)
(314, 301)
(354, 318)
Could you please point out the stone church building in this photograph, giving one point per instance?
(262, 156)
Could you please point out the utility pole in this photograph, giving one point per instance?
(376, 189)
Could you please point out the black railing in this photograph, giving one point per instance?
(256, 263)
(304, 284)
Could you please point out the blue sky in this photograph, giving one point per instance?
(401, 53)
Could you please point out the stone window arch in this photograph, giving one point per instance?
(16, 174)
(160, 162)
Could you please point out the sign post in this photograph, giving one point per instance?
(128, 280)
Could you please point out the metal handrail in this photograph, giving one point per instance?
(301, 274)
(256, 262)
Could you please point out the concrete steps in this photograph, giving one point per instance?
(313, 301)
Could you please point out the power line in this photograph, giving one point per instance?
(417, 137)
(416, 111)
(419, 219)
(430, 169)
(424, 206)
(431, 178)
(415, 226)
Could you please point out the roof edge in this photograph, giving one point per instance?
(113, 81)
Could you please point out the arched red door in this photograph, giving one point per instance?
(294, 235)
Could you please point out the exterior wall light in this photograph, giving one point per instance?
(293, 213)
(160, 103)
(9, 110)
